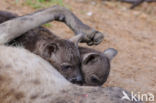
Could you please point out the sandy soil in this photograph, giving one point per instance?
(131, 32)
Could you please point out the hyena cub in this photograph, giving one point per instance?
(96, 65)
(62, 54)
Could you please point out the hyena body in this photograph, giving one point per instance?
(95, 65)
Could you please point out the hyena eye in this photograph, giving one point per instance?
(94, 79)
(66, 67)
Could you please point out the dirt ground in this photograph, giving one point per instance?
(131, 32)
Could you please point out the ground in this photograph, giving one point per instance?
(131, 32)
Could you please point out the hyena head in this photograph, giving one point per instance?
(64, 56)
(96, 66)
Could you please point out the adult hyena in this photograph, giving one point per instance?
(27, 78)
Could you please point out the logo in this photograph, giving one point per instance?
(146, 97)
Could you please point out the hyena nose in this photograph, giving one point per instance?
(77, 80)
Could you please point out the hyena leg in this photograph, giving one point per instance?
(13, 28)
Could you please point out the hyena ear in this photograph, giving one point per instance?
(89, 57)
(110, 53)
(76, 39)
(49, 49)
